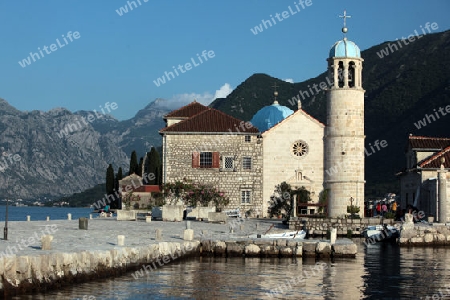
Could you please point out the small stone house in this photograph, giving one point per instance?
(202, 144)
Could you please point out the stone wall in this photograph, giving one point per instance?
(34, 273)
(320, 226)
(422, 235)
(177, 164)
(278, 248)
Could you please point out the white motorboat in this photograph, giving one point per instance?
(297, 235)
(379, 233)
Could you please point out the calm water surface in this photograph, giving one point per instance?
(383, 271)
(36, 213)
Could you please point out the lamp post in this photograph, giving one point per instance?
(5, 230)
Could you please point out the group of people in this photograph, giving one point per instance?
(382, 208)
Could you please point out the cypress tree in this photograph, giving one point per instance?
(155, 167)
(133, 163)
(139, 170)
(110, 180)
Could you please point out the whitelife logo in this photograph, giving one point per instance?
(53, 47)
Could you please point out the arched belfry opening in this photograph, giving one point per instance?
(341, 74)
(351, 74)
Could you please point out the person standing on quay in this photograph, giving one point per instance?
(384, 209)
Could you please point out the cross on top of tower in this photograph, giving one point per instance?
(275, 93)
(345, 29)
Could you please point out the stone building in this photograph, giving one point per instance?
(205, 145)
(427, 159)
(248, 159)
(292, 151)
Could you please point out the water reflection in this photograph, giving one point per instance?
(381, 271)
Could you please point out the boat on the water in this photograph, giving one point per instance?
(297, 235)
(378, 233)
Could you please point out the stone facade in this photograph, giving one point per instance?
(419, 181)
(280, 163)
(178, 152)
(344, 137)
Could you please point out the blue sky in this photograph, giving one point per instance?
(118, 58)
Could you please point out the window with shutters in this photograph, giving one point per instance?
(205, 160)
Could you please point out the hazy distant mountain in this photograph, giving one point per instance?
(400, 89)
(55, 153)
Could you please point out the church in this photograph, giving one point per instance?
(247, 160)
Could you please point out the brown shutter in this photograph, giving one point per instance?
(195, 159)
(215, 160)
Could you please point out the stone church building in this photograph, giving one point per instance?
(248, 159)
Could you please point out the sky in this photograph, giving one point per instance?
(117, 56)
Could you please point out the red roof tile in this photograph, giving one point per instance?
(187, 111)
(424, 142)
(210, 120)
(434, 162)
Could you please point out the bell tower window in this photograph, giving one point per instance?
(341, 74)
(351, 74)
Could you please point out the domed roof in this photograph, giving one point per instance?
(269, 116)
(345, 48)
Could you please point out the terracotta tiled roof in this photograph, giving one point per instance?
(187, 111)
(423, 142)
(210, 120)
(434, 162)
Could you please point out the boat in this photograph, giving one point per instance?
(297, 235)
(378, 233)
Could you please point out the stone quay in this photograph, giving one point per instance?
(111, 248)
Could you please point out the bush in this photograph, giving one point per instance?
(389, 215)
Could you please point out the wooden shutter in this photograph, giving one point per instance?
(196, 159)
(215, 160)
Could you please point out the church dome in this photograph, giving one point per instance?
(269, 116)
(345, 48)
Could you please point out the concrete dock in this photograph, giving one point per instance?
(110, 247)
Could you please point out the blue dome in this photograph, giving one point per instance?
(269, 116)
(345, 48)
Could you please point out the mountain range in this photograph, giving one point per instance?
(42, 157)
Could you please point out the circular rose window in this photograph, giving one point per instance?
(299, 148)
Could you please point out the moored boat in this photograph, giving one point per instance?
(297, 235)
(378, 233)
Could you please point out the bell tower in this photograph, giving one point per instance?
(344, 133)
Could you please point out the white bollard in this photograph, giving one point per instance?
(120, 240)
(47, 242)
(333, 236)
(188, 235)
(48, 218)
(90, 216)
(69, 217)
(28, 218)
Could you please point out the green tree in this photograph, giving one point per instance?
(139, 170)
(323, 199)
(154, 166)
(133, 163)
(119, 176)
(281, 202)
(110, 180)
